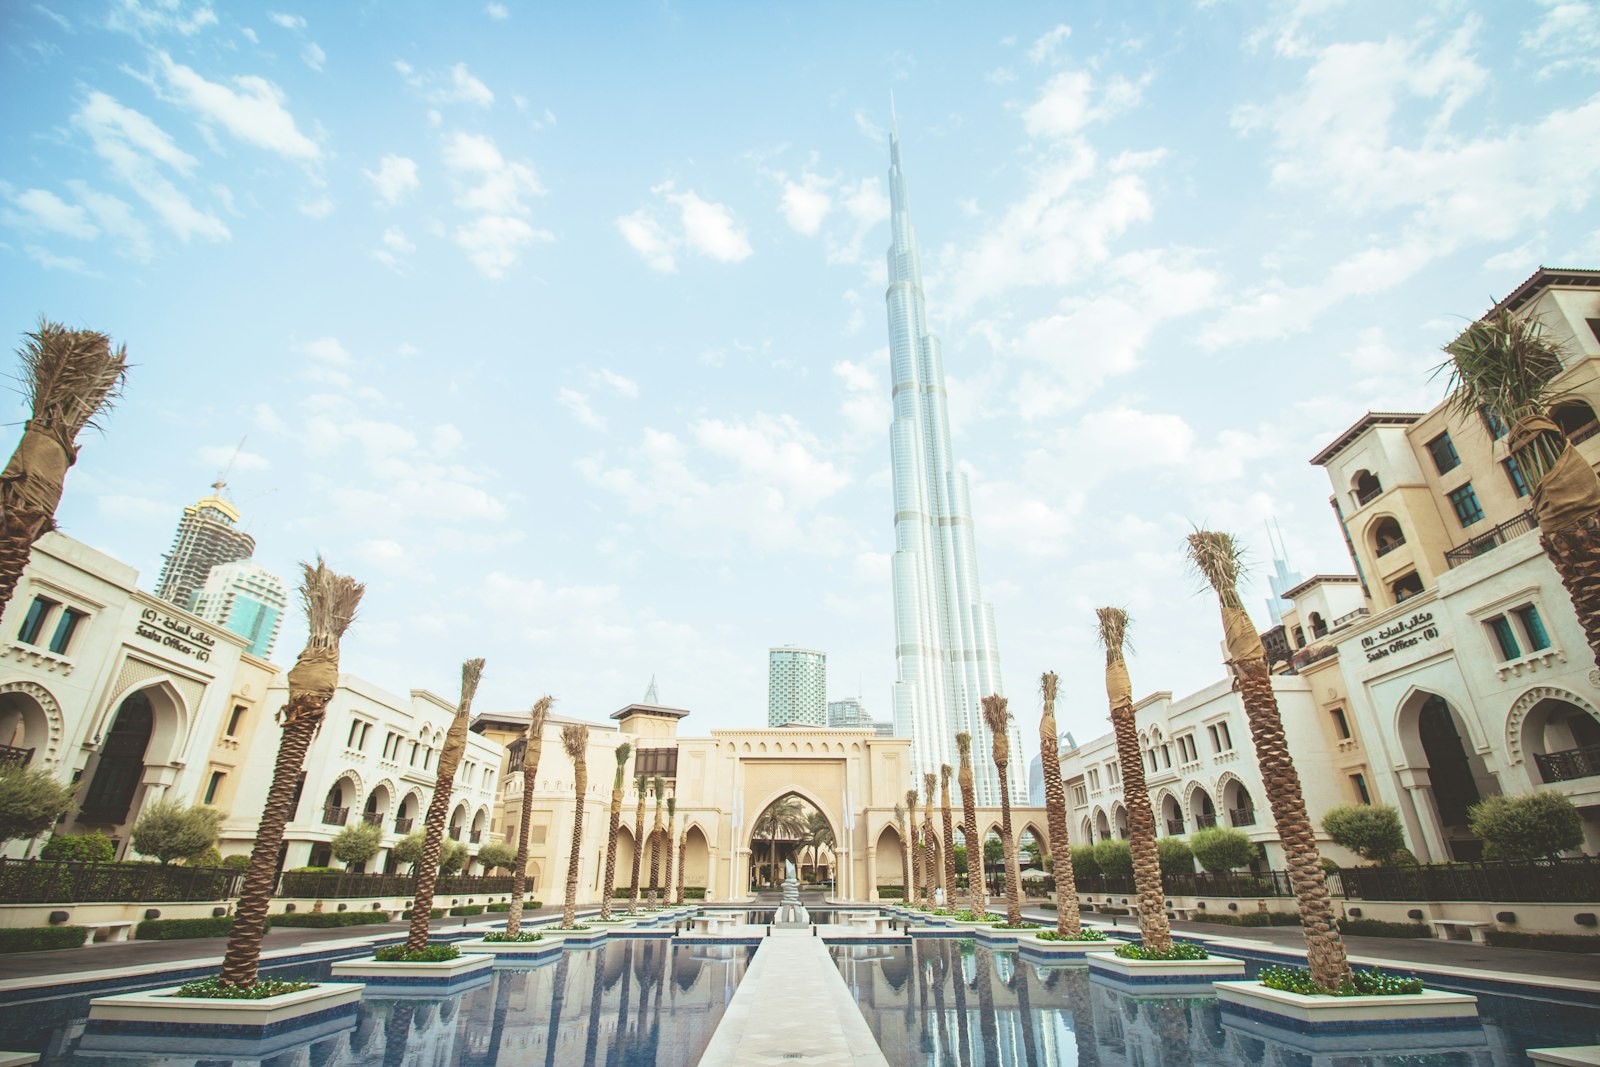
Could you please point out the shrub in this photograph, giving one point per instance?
(1107, 909)
(260, 989)
(1084, 864)
(171, 831)
(1180, 950)
(1549, 942)
(321, 920)
(497, 854)
(1381, 928)
(79, 848)
(1371, 831)
(41, 938)
(177, 929)
(31, 800)
(1526, 827)
(239, 862)
(1249, 918)
(357, 843)
(1113, 857)
(529, 905)
(498, 936)
(1175, 856)
(433, 953)
(452, 857)
(467, 909)
(409, 849)
(1361, 982)
(436, 913)
(885, 892)
(698, 892)
(1037, 887)
(1084, 934)
(1221, 849)
(206, 857)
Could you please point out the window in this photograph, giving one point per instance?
(1094, 780)
(1299, 637)
(413, 760)
(1366, 487)
(1492, 423)
(355, 728)
(1166, 757)
(1187, 751)
(366, 728)
(1443, 451)
(1080, 796)
(391, 746)
(1505, 637)
(64, 631)
(1360, 783)
(234, 719)
(1406, 586)
(1221, 740)
(33, 622)
(1533, 626)
(211, 786)
(1341, 723)
(1519, 484)
(1319, 626)
(1113, 774)
(1465, 501)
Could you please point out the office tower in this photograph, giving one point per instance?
(246, 598)
(797, 686)
(206, 537)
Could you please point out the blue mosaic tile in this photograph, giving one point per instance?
(284, 1026)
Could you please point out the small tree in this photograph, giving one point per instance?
(30, 802)
(1175, 856)
(171, 831)
(1526, 827)
(1083, 862)
(1371, 831)
(408, 849)
(1220, 849)
(357, 843)
(210, 856)
(452, 857)
(496, 854)
(1114, 857)
(79, 848)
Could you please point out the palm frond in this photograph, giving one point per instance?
(655, 787)
(471, 675)
(575, 738)
(945, 771)
(929, 782)
(538, 714)
(624, 750)
(1504, 362)
(1048, 683)
(330, 601)
(672, 807)
(1113, 629)
(1219, 559)
(964, 743)
(70, 377)
(911, 799)
(900, 814)
(995, 715)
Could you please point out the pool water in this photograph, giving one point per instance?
(947, 1002)
(626, 1003)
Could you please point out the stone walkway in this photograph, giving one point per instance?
(792, 1007)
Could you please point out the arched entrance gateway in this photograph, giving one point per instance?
(131, 764)
(1444, 775)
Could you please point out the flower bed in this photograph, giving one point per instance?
(430, 954)
(498, 936)
(1360, 983)
(1180, 950)
(261, 989)
(567, 929)
(1083, 935)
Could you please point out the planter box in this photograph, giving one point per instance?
(520, 951)
(445, 975)
(155, 1021)
(18, 1059)
(1572, 1056)
(1347, 1014)
(1031, 943)
(1163, 973)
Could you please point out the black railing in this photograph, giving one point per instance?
(1583, 433)
(476, 836)
(1568, 765)
(455, 833)
(9, 755)
(336, 884)
(49, 882)
(403, 826)
(1175, 827)
(335, 816)
(1574, 881)
(1389, 546)
(1488, 542)
(1314, 654)
(372, 818)
(1365, 497)
(1242, 816)
(1203, 822)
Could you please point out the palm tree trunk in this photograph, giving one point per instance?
(988, 1029)
(683, 849)
(607, 888)
(669, 847)
(976, 899)
(655, 853)
(530, 773)
(455, 744)
(905, 857)
(20, 528)
(1574, 551)
(914, 845)
(1013, 873)
(638, 852)
(1153, 928)
(1068, 923)
(580, 785)
(949, 837)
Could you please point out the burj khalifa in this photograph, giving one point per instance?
(947, 656)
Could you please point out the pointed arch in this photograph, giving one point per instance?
(30, 717)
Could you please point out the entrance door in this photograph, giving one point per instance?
(1455, 789)
(121, 766)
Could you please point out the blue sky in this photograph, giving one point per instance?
(562, 326)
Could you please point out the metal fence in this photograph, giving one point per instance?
(52, 882)
(340, 884)
(1575, 881)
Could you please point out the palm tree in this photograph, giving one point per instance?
(818, 835)
(1505, 365)
(624, 750)
(1217, 557)
(976, 900)
(998, 719)
(683, 850)
(575, 739)
(945, 771)
(655, 843)
(1153, 927)
(1055, 808)
(783, 818)
(930, 869)
(70, 378)
(330, 602)
(669, 846)
(532, 747)
(905, 853)
(914, 843)
(455, 743)
(638, 848)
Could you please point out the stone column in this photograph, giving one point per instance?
(1417, 803)
(872, 874)
(741, 865)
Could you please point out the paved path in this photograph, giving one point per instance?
(765, 1023)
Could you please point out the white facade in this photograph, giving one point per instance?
(797, 686)
(246, 598)
(375, 759)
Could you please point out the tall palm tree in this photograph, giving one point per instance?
(69, 378)
(976, 899)
(931, 876)
(575, 740)
(655, 843)
(624, 750)
(818, 835)
(330, 602)
(914, 843)
(683, 851)
(530, 772)
(1217, 557)
(945, 771)
(1141, 819)
(1055, 808)
(455, 743)
(906, 889)
(669, 846)
(1505, 364)
(638, 847)
(998, 719)
(783, 818)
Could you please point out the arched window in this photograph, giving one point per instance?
(1387, 535)
(1406, 587)
(1576, 419)
(1365, 486)
(1319, 625)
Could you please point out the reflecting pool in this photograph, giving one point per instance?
(626, 1003)
(947, 1002)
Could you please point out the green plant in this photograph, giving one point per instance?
(237, 862)
(1548, 942)
(498, 854)
(885, 892)
(467, 909)
(1114, 858)
(433, 953)
(530, 905)
(206, 857)
(357, 843)
(452, 857)
(31, 800)
(1085, 934)
(574, 928)
(1249, 918)
(1360, 982)
(408, 849)
(1526, 827)
(41, 938)
(1222, 848)
(79, 848)
(433, 913)
(698, 892)
(177, 929)
(1381, 928)
(519, 937)
(1175, 856)
(1371, 831)
(260, 989)
(171, 831)
(1084, 864)
(1016, 926)
(321, 920)
(1180, 950)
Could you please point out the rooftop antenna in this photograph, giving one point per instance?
(222, 479)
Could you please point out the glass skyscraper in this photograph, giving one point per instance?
(246, 598)
(797, 686)
(946, 653)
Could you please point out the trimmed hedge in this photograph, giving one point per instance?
(177, 929)
(436, 913)
(1249, 918)
(1381, 928)
(467, 909)
(694, 892)
(891, 892)
(41, 938)
(1550, 942)
(325, 919)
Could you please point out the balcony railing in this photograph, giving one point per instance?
(455, 833)
(1569, 765)
(1583, 433)
(1492, 540)
(403, 826)
(1389, 546)
(335, 816)
(1349, 616)
(1203, 822)
(20, 757)
(1175, 827)
(1367, 497)
(1242, 816)
(1314, 654)
(476, 836)
(372, 818)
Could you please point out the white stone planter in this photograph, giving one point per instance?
(1164, 972)
(427, 975)
(1571, 1056)
(1030, 941)
(154, 1021)
(1346, 1013)
(18, 1059)
(513, 950)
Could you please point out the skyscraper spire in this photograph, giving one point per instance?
(947, 657)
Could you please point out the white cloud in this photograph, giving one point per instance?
(578, 404)
(704, 227)
(132, 147)
(327, 350)
(254, 113)
(395, 177)
(396, 246)
(648, 238)
(288, 22)
(162, 16)
(496, 190)
(806, 203)
(623, 385)
(313, 56)
(116, 218)
(1567, 36)
(42, 209)
(457, 85)
(497, 12)
(1046, 46)
(51, 261)
(1069, 102)
(231, 456)
(318, 208)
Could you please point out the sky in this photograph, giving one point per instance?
(562, 326)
